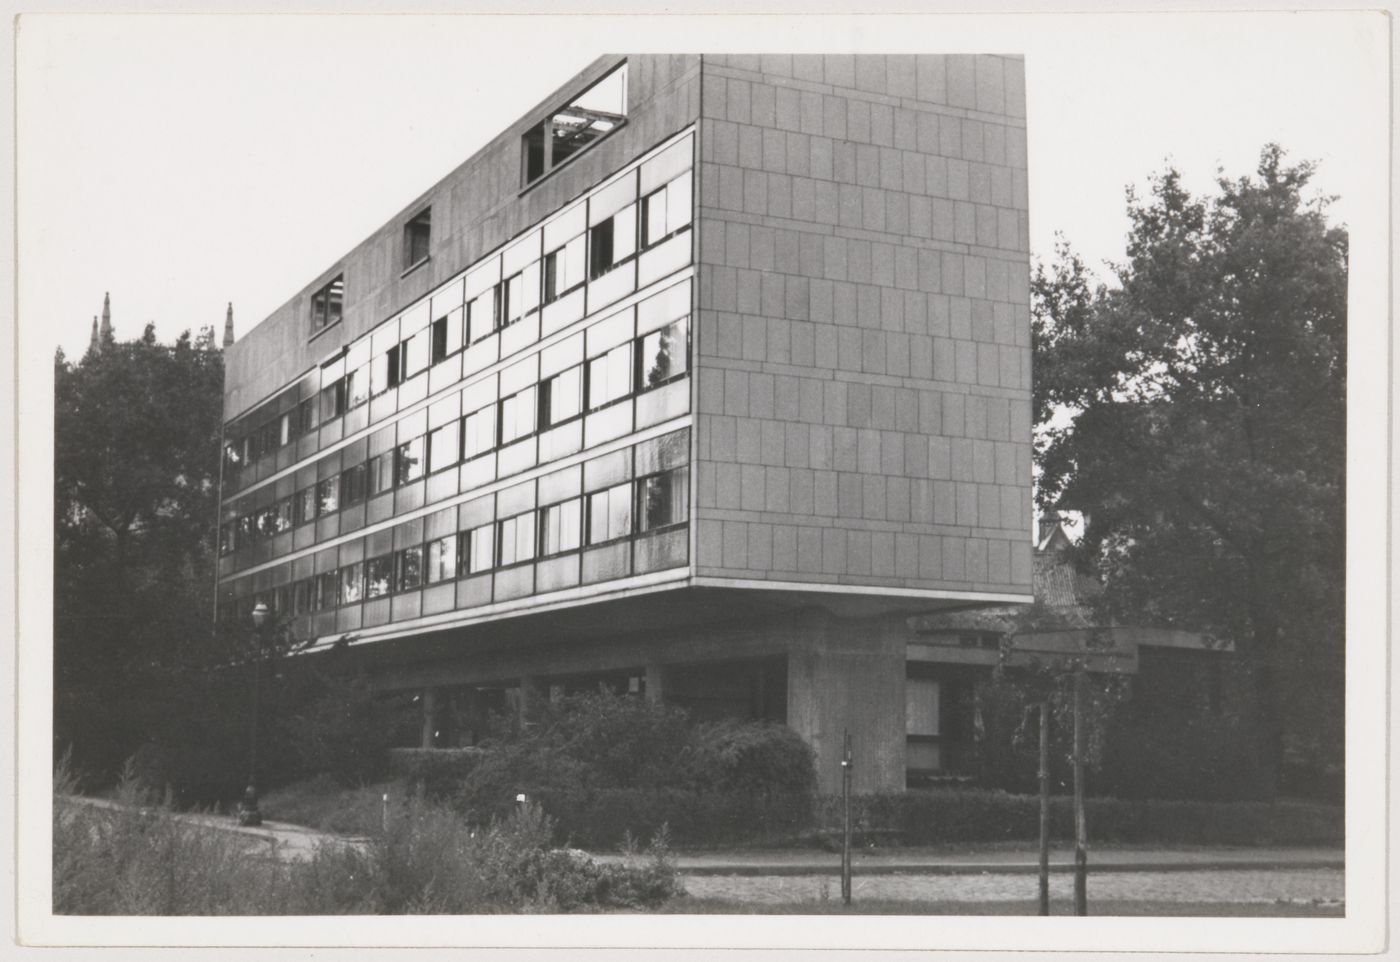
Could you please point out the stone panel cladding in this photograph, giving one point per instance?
(863, 337)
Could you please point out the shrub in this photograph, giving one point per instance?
(750, 758)
(141, 858)
(438, 771)
(604, 765)
(345, 732)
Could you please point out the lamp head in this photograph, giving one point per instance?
(259, 614)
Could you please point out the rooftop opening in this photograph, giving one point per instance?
(593, 114)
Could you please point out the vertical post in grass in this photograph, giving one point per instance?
(1044, 775)
(1081, 855)
(846, 832)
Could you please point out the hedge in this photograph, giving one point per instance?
(604, 818)
(937, 817)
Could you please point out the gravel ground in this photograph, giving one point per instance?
(1235, 885)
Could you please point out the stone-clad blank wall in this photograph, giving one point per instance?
(475, 209)
(863, 338)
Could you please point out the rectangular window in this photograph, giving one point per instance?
(267, 522)
(379, 373)
(410, 568)
(561, 397)
(328, 587)
(284, 519)
(357, 387)
(328, 495)
(247, 529)
(521, 294)
(326, 305)
(665, 353)
(483, 314)
(415, 352)
(610, 376)
(351, 584)
(517, 539)
(666, 210)
(480, 552)
(610, 513)
(379, 473)
(444, 446)
(574, 127)
(447, 335)
(612, 241)
(408, 461)
(479, 432)
(228, 537)
(561, 527)
(664, 499)
(442, 560)
(333, 400)
(352, 485)
(379, 576)
(393, 365)
(301, 596)
(563, 269)
(416, 235)
(308, 416)
(284, 430)
(304, 507)
(517, 416)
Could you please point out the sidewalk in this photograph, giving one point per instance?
(998, 861)
(282, 839)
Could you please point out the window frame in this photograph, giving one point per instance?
(417, 230)
(321, 303)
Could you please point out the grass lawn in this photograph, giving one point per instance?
(694, 906)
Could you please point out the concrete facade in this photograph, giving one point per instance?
(785, 405)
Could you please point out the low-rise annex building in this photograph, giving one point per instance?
(697, 381)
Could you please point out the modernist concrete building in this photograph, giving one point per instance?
(697, 381)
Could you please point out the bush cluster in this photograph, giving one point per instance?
(605, 765)
(140, 858)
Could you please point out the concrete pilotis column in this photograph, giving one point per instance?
(429, 716)
(655, 683)
(529, 700)
(849, 674)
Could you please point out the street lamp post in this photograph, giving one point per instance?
(248, 813)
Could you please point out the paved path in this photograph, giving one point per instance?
(275, 839)
(933, 861)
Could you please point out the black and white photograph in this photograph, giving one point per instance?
(698, 481)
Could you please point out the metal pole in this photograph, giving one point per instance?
(1044, 808)
(253, 735)
(846, 834)
(1081, 856)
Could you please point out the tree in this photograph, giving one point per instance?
(136, 433)
(1195, 410)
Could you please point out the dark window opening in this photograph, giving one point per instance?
(326, 305)
(416, 235)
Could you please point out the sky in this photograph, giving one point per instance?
(186, 162)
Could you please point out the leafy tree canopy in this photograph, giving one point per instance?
(1206, 391)
(136, 435)
(1195, 409)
